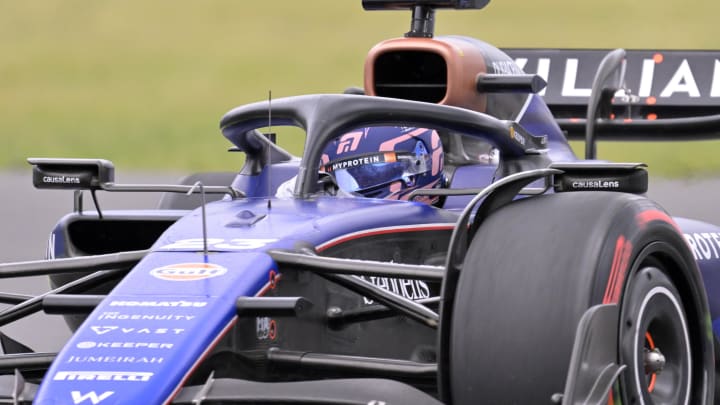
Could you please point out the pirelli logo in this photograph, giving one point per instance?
(102, 376)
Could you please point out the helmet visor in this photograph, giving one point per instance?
(367, 171)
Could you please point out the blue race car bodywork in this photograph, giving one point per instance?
(246, 297)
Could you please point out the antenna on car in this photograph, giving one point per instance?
(271, 136)
(198, 184)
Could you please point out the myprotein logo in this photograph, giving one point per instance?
(188, 271)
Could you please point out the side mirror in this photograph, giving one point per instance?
(72, 174)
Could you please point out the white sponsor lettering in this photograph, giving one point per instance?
(124, 345)
(61, 179)
(355, 162)
(543, 69)
(715, 87)
(50, 252)
(171, 304)
(568, 88)
(218, 244)
(115, 359)
(595, 184)
(678, 80)
(646, 77)
(704, 245)
(188, 271)
(410, 289)
(682, 81)
(144, 317)
(521, 63)
(266, 328)
(78, 397)
(506, 67)
(102, 376)
(101, 330)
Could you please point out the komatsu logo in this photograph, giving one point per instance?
(162, 304)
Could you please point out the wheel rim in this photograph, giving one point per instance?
(660, 361)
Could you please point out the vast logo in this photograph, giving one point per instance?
(188, 271)
(78, 397)
(101, 330)
(198, 244)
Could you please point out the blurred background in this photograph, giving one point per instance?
(144, 84)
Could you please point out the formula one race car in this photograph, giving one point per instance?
(437, 242)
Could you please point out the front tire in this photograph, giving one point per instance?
(536, 265)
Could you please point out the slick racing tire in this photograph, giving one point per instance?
(181, 201)
(536, 265)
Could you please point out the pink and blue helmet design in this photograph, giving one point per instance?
(385, 162)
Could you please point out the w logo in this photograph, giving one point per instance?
(79, 398)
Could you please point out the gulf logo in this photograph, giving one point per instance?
(188, 271)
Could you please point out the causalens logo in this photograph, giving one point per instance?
(188, 271)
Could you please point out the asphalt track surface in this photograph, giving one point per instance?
(27, 215)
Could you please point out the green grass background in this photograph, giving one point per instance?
(144, 83)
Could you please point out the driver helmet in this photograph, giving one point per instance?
(386, 162)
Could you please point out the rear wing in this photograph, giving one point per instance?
(667, 95)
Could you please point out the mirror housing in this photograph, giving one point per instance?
(71, 174)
